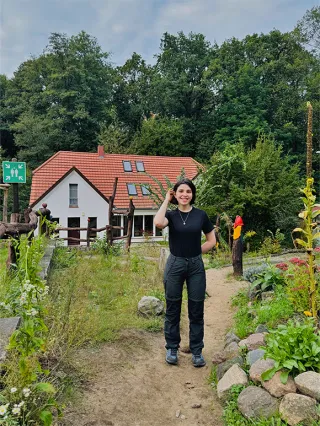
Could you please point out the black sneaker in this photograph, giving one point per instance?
(198, 360)
(172, 356)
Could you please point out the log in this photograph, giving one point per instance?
(237, 250)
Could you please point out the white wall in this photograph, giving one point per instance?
(90, 204)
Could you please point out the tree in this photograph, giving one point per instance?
(6, 136)
(159, 136)
(132, 92)
(68, 87)
(259, 184)
(308, 28)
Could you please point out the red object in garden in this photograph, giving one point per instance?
(238, 222)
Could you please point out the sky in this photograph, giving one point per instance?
(126, 26)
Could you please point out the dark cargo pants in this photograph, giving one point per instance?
(177, 271)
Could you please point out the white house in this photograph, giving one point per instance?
(76, 186)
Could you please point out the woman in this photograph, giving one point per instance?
(185, 264)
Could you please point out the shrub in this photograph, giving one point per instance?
(267, 280)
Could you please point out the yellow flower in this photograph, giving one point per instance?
(308, 313)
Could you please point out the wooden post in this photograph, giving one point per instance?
(237, 247)
(5, 205)
(15, 193)
(88, 233)
(130, 224)
(111, 203)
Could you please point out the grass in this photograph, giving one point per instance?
(94, 297)
(270, 313)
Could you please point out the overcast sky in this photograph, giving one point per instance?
(126, 26)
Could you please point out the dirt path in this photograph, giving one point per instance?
(133, 386)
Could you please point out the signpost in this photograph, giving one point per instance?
(14, 172)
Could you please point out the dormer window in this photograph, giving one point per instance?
(132, 190)
(127, 166)
(145, 190)
(140, 166)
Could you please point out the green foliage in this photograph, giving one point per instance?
(295, 348)
(66, 90)
(259, 184)
(267, 280)
(101, 245)
(159, 136)
(272, 243)
(26, 398)
(309, 235)
(252, 273)
(270, 313)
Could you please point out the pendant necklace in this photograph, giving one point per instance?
(184, 221)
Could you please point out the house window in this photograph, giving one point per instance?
(148, 225)
(132, 190)
(138, 226)
(127, 167)
(140, 166)
(145, 190)
(73, 195)
(116, 221)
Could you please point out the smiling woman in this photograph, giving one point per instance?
(185, 263)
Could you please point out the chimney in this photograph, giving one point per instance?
(100, 151)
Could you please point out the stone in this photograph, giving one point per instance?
(196, 405)
(219, 357)
(150, 306)
(234, 376)
(255, 402)
(295, 408)
(182, 417)
(231, 337)
(7, 327)
(308, 383)
(254, 341)
(260, 367)
(255, 355)
(232, 350)
(223, 367)
(261, 328)
(276, 388)
(178, 412)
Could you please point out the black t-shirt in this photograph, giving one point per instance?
(185, 240)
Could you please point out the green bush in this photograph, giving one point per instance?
(294, 347)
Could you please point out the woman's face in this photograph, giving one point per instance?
(183, 194)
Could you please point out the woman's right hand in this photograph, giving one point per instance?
(169, 195)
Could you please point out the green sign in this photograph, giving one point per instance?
(14, 172)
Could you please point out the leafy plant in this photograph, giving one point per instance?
(295, 348)
(267, 280)
(101, 245)
(251, 274)
(310, 232)
(272, 243)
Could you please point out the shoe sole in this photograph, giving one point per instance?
(172, 362)
(199, 365)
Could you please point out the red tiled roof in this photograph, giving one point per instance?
(101, 172)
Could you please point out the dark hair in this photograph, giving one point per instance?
(188, 182)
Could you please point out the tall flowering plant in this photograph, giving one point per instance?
(309, 233)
